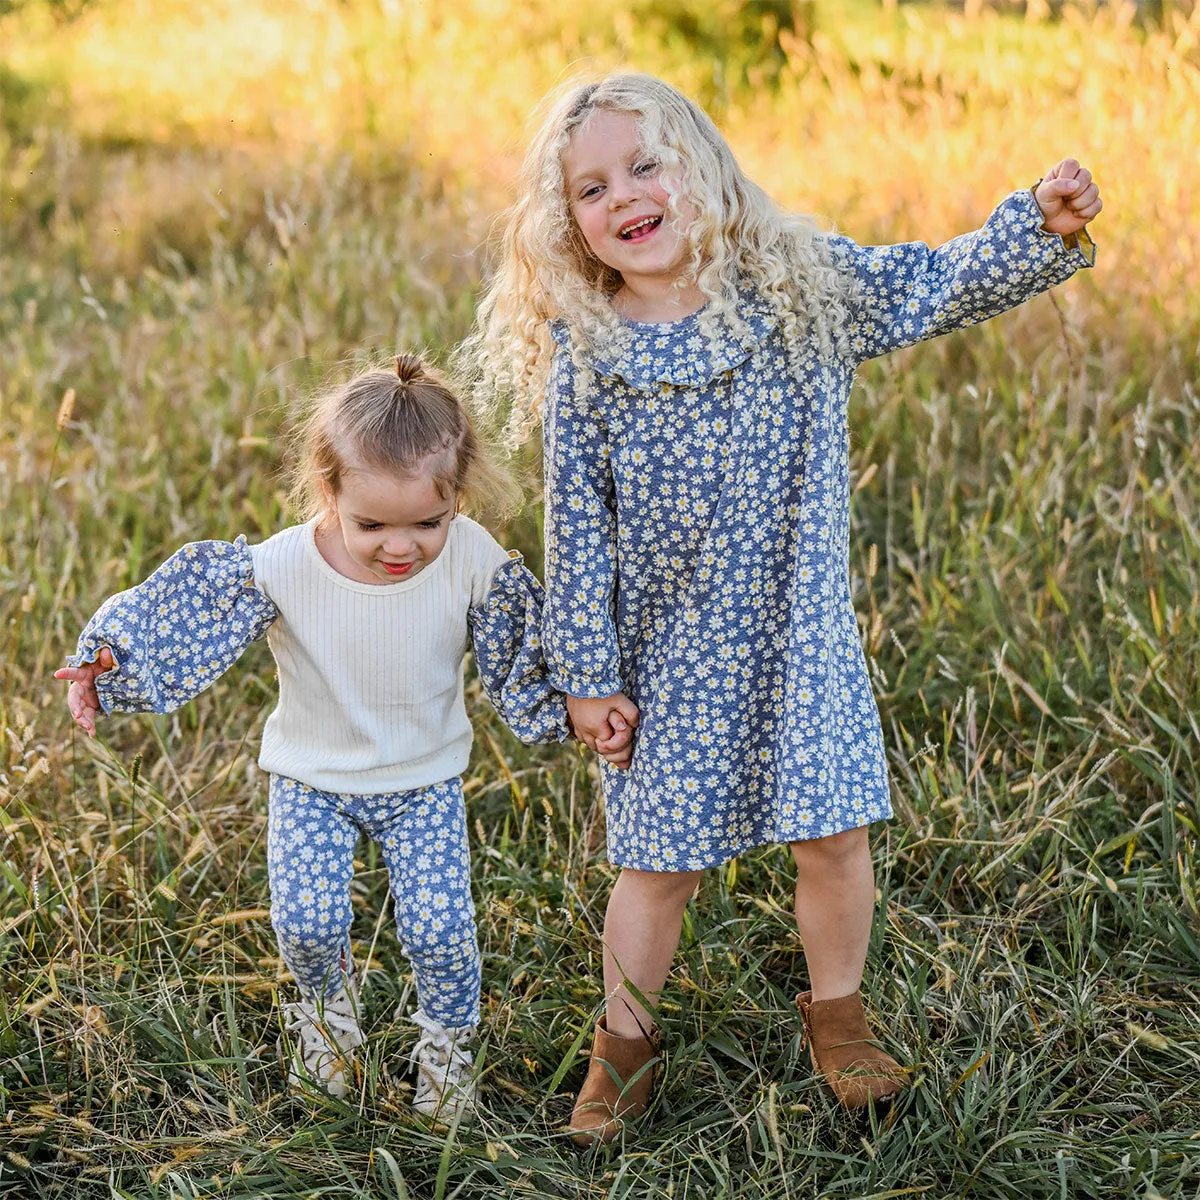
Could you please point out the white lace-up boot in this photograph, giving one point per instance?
(445, 1061)
(325, 1033)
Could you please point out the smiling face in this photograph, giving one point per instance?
(619, 199)
(389, 527)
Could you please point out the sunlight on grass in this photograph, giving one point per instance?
(209, 209)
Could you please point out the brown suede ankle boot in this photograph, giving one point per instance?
(618, 1085)
(846, 1055)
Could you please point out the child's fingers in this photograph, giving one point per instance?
(1085, 198)
(622, 732)
(584, 737)
(80, 709)
(592, 736)
(84, 674)
(1061, 187)
(619, 741)
(626, 707)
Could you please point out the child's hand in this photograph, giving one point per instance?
(618, 749)
(593, 722)
(1068, 198)
(82, 698)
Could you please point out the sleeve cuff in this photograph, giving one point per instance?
(506, 632)
(587, 689)
(1079, 243)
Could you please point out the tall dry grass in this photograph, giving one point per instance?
(209, 209)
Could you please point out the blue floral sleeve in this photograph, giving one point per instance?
(506, 630)
(909, 292)
(580, 632)
(176, 633)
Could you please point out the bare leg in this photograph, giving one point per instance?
(641, 935)
(835, 901)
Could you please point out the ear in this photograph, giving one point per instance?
(329, 499)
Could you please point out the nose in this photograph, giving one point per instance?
(399, 545)
(621, 191)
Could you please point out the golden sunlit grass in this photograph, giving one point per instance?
(908, 124)
(208, 208)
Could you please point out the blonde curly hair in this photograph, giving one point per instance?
(738, 238)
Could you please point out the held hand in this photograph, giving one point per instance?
(1067, 197)
(82, 697)
(618, 750)
(592, 720)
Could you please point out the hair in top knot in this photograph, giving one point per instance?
(410, 368)
(406, 422)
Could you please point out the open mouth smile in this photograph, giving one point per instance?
(635, 231)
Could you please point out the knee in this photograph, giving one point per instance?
(669, 888)
(310, 920)
(832, 851)
(437, 929)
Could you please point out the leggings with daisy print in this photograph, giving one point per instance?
(311, 837)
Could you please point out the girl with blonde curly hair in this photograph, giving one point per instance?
(690, 349)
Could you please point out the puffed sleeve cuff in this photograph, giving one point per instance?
(1077, 248)
(177, 632)
(585, 686)
(506, 630)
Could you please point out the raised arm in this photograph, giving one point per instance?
(909, 292)
(170, 637)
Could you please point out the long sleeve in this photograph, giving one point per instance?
(909, 292)
(506, 630)
(176, 633)
(579, 629)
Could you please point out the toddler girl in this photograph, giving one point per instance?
(695, 346)
(367, 607)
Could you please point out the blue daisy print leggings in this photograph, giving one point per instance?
(311, 837)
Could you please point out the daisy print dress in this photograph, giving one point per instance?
(697, 547)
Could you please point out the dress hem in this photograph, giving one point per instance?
(781, 840)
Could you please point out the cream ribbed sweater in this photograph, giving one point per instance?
(371, 675)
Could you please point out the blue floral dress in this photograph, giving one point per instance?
(697, 548)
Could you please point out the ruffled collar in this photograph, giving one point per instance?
(687, 353)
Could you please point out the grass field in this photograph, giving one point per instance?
(207, 210)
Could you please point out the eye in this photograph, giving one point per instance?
(431, 524)
(590, 191)
(367, 526)
(647, 166)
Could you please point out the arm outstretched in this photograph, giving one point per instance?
(154, 647)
